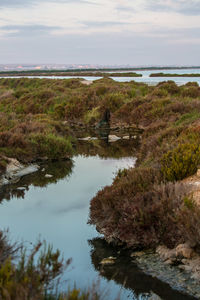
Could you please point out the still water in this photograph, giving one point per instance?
(57, 208)
(58, 211)
(145, 76)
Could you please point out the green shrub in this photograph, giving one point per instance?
(188, 118)
(59, 110)
(113, 101)
(33, 275)
(180, 162)
(191, 91)
(92, 116)
(51, 146)
(169, 86)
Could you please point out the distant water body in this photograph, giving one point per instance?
(145, 76)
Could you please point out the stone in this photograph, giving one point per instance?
(184, 250)
(137, 254)
(198, 172)
(48, 176)
(154, 297)
(166, 253)
(169, 262)
(113, 138)
(88, 138)
(108, 261)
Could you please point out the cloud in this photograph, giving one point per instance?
(25, 3)
(103, 23)
(27, 30)
(124, 8)
(185, 7)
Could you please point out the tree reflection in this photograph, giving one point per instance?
(128, 275)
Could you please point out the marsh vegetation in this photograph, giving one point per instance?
(145, 206)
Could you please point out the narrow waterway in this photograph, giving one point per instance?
(53, 204)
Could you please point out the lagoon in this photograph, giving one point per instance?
(145, 76)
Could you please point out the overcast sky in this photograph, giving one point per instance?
(135, 32)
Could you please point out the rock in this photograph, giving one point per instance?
(108, 261)
(113, 138)
(170, 261)
(27, 170)
(154, 297)
(21, 188)
(13, 166)
(165, 253)
(48, 176)
(15, 170)
(198, 172)
(65, 122)
(126, 137)
(184, 250)
(88, 138)
(137, 254)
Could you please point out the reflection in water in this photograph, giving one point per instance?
(101, 147)
(57, 207)
(127, 274)
(58, 213)
(57, 171)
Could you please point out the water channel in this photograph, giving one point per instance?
(56, 209)
(145, 76)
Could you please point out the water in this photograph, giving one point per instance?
(57, 209)
(58, 212)
(145, 76)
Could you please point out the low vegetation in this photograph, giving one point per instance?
(145, 206)
(71, 74)
(36, 274)
(174, 75)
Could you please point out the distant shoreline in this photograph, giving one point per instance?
(173, 75)
(90, 72)
(70, 74)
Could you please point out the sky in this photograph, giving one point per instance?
(104, 32)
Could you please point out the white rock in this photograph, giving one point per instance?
(88, 138)
(48, 176)
(113, 138)
(126, 137)
(198, 172)
(108, 261)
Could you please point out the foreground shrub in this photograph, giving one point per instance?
(142, 215)
(33, 275)
(37, 275)
(181, 162)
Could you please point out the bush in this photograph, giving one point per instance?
(140, 215)
(169, 86)
(191, 91)
(31, 278)
(92, 116)
(180, 162)
(112, 101)
(51, 146)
